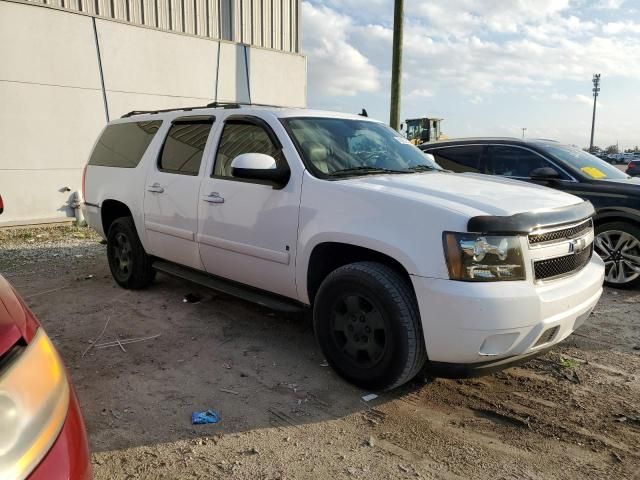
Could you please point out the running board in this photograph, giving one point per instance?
(266, 299)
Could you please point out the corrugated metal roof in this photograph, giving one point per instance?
(264, 23)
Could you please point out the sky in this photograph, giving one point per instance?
(487, 67)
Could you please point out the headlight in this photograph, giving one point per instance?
(34, 398)
(483, 258)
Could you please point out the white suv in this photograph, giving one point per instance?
(401, 262)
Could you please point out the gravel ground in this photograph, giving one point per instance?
(25, 247)
(573, 413)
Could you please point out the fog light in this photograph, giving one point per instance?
(497, 344)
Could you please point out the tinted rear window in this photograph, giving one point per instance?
(123, 144)
(459, 159)
(183, 148)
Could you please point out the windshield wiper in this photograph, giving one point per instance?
(422, 168)
(363, 170)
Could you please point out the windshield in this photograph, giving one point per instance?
(588, 164)
(342, 147)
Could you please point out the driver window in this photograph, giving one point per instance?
(514, 161)
(240, 137)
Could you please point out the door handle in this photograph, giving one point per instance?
(213, 197)
(155, 188)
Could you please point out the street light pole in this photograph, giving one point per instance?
(596, 90)
(523, 130)
(396, 65)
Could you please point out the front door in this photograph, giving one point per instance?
(518, 163)
(171, 197)
(248, 230)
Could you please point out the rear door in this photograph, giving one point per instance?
(460, 159)
(172, 191)
(518, 162)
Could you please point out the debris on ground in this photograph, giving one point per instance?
(232, 392)
(206, 416)
(124, 341)
(192, 298)
(369, 397)
(92, 344)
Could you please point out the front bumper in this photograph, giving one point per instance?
(499, 323)
(68, 457)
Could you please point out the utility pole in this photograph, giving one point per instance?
(596, 90)
(523, 130)
(396, 65)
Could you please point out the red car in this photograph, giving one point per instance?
(42, 433)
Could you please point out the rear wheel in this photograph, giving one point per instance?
(367, 324)
(618, 243)
(129, 263)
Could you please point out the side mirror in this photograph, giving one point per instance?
(430, 157)
(258, 166)
(544, 173)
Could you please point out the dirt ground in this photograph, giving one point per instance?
(573, 413)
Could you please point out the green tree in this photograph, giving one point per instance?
(612, 149)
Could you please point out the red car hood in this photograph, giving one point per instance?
(16, 321)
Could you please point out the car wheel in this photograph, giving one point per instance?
(618, 243)
(129, 263)
(368, 326)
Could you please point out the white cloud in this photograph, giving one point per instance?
(609, 4)
(577, 98)
(615, 28)
(336, 67)
(585, 100)
(420, 92)
(459, 17)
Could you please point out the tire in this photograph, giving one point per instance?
(367, 323)
(129, 264)
(618, 243)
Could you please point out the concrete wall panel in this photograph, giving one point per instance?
(31, 54)
(38, 196)
(121, 103)
(269, 69)
(233, 85)
(48, 133)
(46, 127)
(149, 61)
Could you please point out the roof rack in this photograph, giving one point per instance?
(209, 105)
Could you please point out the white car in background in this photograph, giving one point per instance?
(401, 262)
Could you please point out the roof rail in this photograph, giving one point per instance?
(209, 105)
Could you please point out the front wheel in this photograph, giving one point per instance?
(129, 263)
(367, 323)
(618, 243)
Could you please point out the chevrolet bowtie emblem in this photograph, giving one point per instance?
(577, 245)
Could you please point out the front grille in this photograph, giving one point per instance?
(559, 266)
(576, 231)
(547, 336)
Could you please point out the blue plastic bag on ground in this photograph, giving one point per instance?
(208, 416)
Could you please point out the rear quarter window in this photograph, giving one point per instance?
(459, 159)
(122, 145)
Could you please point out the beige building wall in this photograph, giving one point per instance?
(56, 93)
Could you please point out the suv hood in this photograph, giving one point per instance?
(469, 193)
